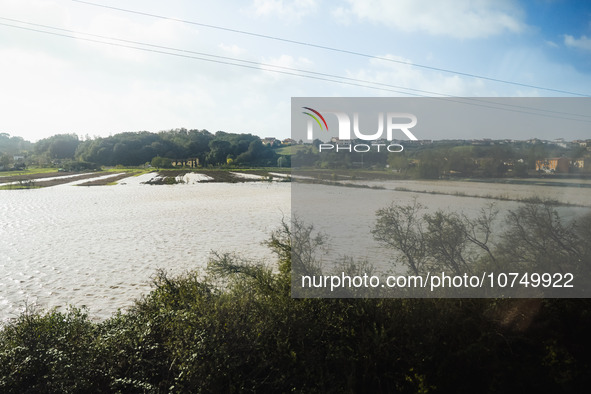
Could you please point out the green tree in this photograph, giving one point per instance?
(282, 161)
(59, 146)
(399, 162)
(161, 162)
(218, 152)
(431, 164)
(13, 145)
(5, 161)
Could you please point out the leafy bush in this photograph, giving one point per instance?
(72, 165)
(50, 352)
(161, 162)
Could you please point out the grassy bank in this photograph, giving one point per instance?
(492, 197)
(20, 185)
(122, 173)
(28, 171)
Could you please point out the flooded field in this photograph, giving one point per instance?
(571, 192)
(99, 246)
(347, 214)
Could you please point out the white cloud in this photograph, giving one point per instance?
(286, 9)
(582, 43)
(121, 27)
(454, 18)
(399, 75)
(288, 61)
(284, 63)
(53, 11)
(232, 49)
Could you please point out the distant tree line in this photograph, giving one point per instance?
(444, 158)
(137, 148)
(9, 147)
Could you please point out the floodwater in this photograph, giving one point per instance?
(99, 246)
(575, 192)
(346, 215)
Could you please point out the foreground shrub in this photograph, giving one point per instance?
(50, 352)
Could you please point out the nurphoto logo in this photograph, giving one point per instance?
(394, 121)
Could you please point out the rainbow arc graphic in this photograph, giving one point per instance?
(315, 118)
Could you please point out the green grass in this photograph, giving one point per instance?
(135, 170)
(29, 171)
(18, 187)
(293, 149)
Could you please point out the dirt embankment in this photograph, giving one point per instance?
(41, 180)
(28, 177)
(107, 181)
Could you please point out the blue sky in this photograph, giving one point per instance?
(51, 84)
